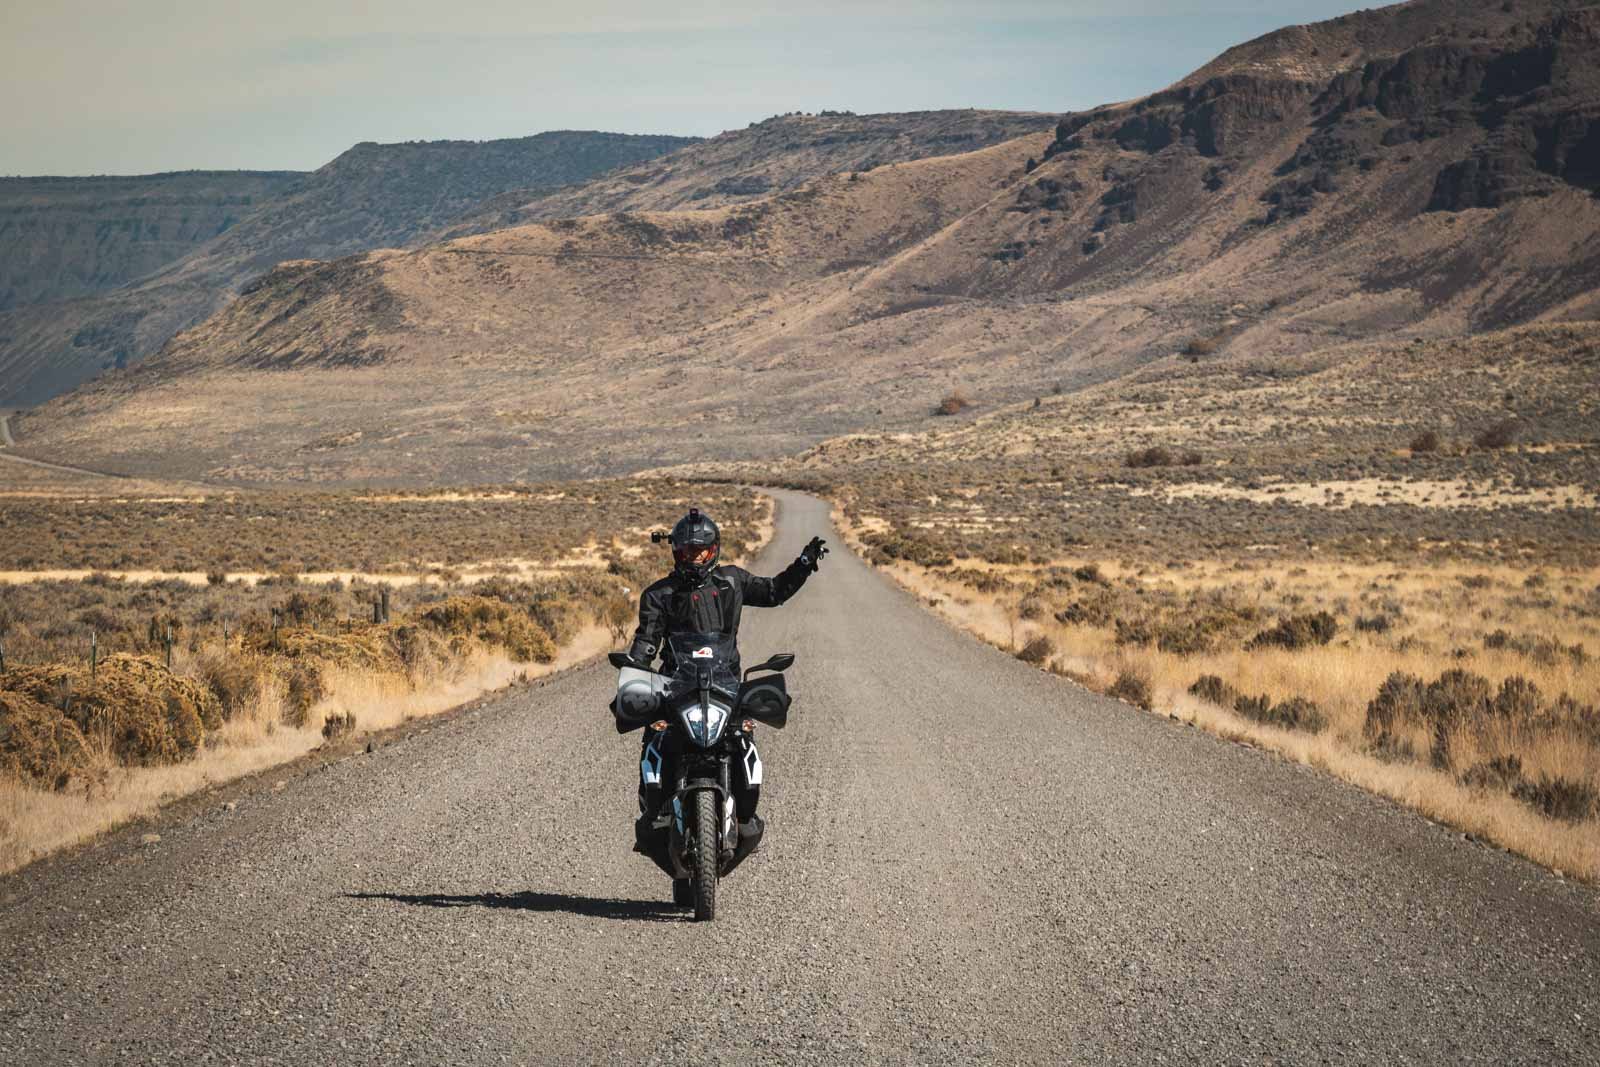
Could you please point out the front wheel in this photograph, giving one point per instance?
(705, 855)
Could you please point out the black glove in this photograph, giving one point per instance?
(812, 554)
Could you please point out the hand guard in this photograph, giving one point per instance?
(812, 554)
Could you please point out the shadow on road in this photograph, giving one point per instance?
(593, 907)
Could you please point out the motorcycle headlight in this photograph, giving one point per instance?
(705, 724)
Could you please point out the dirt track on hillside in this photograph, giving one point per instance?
(968, 860)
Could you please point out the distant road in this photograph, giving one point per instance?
(969, 860)
(6, 441)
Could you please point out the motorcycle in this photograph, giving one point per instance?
(702, 715)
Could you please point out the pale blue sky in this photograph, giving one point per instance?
(114, 87)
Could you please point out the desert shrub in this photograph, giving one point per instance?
(1200, 346)
(559, 615)
(1030, 608)
(1584, 718)
(1162, 457)
(1426, 441)
(1501, 773)
(303, 607)
(216, 578)
(618, 616)
(1094, 612)
(1399, 701)
(160, 625)
(1201, 624)
(1374, 624)
(1213, 689)
(1037, 650)
(1518, 700)
(1298, 713)
(1135, 632)
(235, 681)
(1455, 698)
(986, 582)
(1559, 798)
(339, 724)
(494, 623)
(911, 549)
(1155, 456)
(38, 742)
(1255, 708)
(1502, 434)
(1090, 572)
(1134, 687)
(303, 687)
(1545, 650)
(1297, 631)
(954, 404)
(142, 712)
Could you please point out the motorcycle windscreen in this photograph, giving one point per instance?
(692, 653)
(766, 700)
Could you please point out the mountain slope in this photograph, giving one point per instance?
(1270, 207)
(62, 238)
(371, 196)
(774, 156)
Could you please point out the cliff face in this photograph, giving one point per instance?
(62, 238)
(1516, 98)
(774, 156)
(102, 272)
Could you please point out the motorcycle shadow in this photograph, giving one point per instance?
(572, 904)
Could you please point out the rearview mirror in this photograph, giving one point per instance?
(781, 662)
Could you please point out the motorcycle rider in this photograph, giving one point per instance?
(701, 596)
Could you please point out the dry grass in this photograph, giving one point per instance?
(266, 672)
(35, 822)
(348, 534)
(1539, 625)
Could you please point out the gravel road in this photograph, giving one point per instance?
(968, 860)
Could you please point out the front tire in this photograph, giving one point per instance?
(705, 855)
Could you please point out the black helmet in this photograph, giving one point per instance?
(696, 545)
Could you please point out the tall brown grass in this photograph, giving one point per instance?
(1522, 773)
(261, 673)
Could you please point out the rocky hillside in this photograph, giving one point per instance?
(372, 196)
(774, 156)
(62, 238)
(1432, 178)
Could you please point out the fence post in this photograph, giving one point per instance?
(385, 603)
(2, 659)
(94, 652)
(166, 639)
(377, 612)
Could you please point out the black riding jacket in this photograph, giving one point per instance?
(678, 604)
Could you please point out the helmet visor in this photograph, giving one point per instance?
(696, 555)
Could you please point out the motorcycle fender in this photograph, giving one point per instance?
(680, 818)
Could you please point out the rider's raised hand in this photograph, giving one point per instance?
(812, 554)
